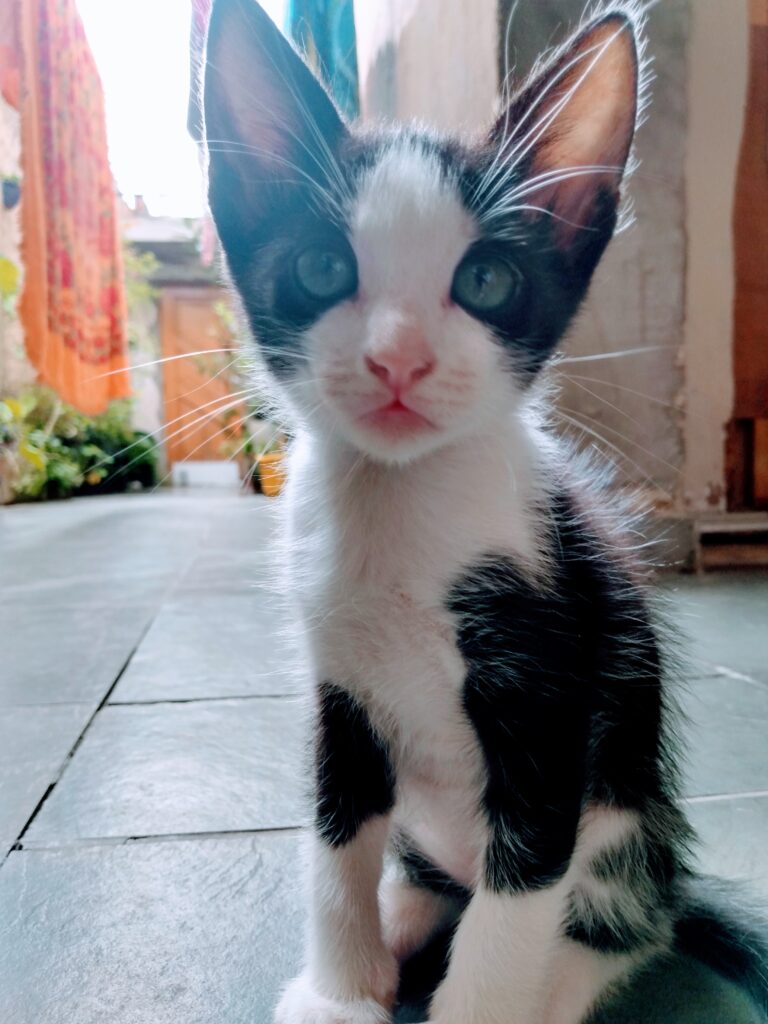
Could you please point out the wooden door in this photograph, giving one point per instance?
(748, 440)
(201, 416)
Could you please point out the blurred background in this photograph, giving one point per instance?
(108, 259)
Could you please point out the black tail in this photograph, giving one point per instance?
(722, 927)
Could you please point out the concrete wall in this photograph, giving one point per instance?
(665, 285)
(717, 84)
(431, 60)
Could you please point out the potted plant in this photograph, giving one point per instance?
(270, 465)
(9, 439)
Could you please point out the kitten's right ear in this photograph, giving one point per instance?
(269, 123)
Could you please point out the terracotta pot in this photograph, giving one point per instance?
(272, 473)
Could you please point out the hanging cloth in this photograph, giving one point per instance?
(72, 306)
(325, 31)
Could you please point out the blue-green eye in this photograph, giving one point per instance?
(483, 283)
(327, 273)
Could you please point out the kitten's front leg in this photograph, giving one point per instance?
(506, 943)
(350, 976)
(501, 959)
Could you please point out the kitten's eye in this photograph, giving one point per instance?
(485, 283)
(327, 273)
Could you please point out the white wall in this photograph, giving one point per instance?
(428, 59)
(717, 83)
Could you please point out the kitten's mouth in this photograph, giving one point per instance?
(397, 419)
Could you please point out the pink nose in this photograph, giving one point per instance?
(403, 361)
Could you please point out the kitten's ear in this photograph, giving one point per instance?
(268, 121)
(571, 130)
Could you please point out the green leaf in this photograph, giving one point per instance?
(33, 455)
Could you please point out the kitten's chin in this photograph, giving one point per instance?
(396, 438)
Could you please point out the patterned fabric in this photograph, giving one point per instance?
(325, 30)
(73, 303)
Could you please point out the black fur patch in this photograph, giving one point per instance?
(638, 879)
(622, 935)
(422, 872)
(355, 778)
(635, 860)
(564, 690)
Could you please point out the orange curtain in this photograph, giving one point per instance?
(73, 302)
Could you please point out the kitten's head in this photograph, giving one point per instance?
(405, 288)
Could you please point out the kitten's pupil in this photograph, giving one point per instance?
(326, 273)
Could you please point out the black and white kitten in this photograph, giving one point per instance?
(490, 725)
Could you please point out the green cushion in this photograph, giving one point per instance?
(680, 991)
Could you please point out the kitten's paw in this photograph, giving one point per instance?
(301, 1004)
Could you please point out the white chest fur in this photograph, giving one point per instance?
(374, 551)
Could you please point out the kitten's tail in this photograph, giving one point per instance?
(721, 927)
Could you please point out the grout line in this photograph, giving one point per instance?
(87, 842)
(205, 700)
(156, 606)
(729, 673)
(720, 797)
(76, 745)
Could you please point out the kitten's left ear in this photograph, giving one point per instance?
(571, 128)
(269, 123)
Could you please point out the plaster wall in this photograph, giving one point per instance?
(717, 85)
(431, 60)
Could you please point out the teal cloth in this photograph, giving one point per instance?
(325, 31)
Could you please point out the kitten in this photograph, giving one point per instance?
(491, 750)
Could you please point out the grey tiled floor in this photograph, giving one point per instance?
(152, 783)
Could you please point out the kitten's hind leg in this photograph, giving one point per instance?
(412, 914)
(417, 900)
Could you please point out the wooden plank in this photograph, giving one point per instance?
(751, 241)
(744, 466)
(197, 390)
(761, 462)
(733, 556)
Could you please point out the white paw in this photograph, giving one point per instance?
(301, 1004)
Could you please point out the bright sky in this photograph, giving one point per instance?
(141, 50)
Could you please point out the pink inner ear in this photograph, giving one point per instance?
(583, 126)
(248, 108)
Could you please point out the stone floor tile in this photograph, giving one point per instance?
(734, 838)
(182, 768)
(205, 932)
(228, 572)
(34, 743)
(726, 736)
(213, 646)
(177, 932)
(724, 616)
(58, 652)
(97, 544)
